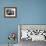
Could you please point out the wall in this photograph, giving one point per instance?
(28, 12)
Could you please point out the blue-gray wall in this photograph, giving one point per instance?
(28, 12)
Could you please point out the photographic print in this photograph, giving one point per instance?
(32, 32)
(10, 12)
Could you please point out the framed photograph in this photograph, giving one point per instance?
(33, 32)
(10, 12)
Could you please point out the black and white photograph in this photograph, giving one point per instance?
(32, 34)
(10, 12)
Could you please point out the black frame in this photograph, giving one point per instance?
(10, 16)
